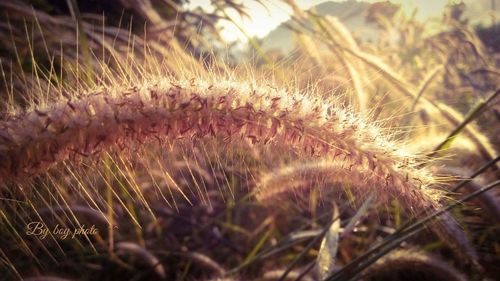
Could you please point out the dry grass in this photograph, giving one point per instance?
(203, 166)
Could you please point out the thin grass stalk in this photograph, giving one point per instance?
(476, 111)
(487, 201)
(328, 171)
(341, 39)
(476, 173)
(447, 112)
(401, 85)
(425, 84)
(350, 271)
(309, 246)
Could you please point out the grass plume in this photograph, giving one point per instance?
(168, 109)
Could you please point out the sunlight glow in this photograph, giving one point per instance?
(265, 19)
(262, 21)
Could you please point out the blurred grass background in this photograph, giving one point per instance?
(187, 214)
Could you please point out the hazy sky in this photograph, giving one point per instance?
(264, 20)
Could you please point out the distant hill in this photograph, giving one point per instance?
(351, 13)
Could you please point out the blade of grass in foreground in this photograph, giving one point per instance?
(476, 173)
(284, 244)
(361, 211)
(473, 114)
(406, 225)
(328, 249)
(353, 269)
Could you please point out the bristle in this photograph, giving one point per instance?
(191, 109)
(418, 201)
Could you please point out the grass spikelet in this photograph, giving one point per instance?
(338, 33)
(306, 43)
(137, 141)
(450, 114)
(169, 109)
(364, 180)
(191, 109)
(360, 175)
(488, 201)
(414, 261)
(402, 86)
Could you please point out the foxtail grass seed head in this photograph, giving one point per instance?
(169, 109)
(174, 109)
